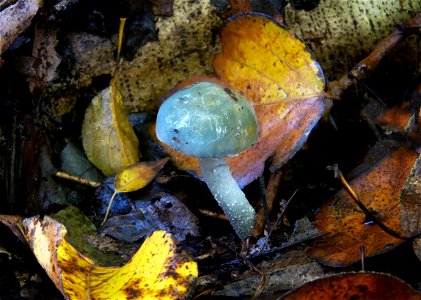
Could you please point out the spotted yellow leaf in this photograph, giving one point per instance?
(156, 271)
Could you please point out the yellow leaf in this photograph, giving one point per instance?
(109, 141)
(134, 178)
(138, 176)
(156, 271)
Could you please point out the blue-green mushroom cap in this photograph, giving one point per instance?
(207, 119)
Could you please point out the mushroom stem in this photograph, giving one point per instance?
(228, 194)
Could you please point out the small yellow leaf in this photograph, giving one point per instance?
(138, 176)
(109, 141)
(156, 271)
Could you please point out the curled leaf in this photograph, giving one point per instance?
(109, 141)
(138, 176)
(156, 271)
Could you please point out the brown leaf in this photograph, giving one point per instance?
(410, 201)
(355, 286)
(378, 188)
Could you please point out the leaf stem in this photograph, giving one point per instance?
(109, 207)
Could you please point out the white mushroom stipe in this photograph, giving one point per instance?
(229, 196)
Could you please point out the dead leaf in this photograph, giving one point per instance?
(341, 32)
(280, 275)
(109, 141)
(46, 58)
(138, 176)
(78, 226)
(156, 271)
(378, 186)
(278, 74)
(167, 213)
(15, 19)
(185, 46)
(365, 285)
(410, 201)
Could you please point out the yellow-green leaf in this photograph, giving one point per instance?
(138, 176)
(109, 141)
(156, 271)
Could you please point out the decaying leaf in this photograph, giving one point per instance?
(291, 270)
(185, 46)
(109, 141)
(378, 185)
(156, 271)
(410, 201)
(167, 213)
(78, 226)
(14, 19)
(341, 32)
(278, 74)
(137, 176)
(364, 285)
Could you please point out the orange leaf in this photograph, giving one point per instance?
(265, 61)
(378, 188)
(355, 286)
(278, 74)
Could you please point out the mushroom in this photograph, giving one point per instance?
(211, 121)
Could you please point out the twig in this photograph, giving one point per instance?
(271, 191)
(367, 65)
(77, 179)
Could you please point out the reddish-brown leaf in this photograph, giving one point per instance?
(355, 286)
(378, 188)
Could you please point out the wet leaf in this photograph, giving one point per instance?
(277, 73)
(109, 141)
(167, 213)
(355, 286)
(138, 176)
(378, 185)
(156, 271)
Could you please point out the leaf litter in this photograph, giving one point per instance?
(280, 154)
